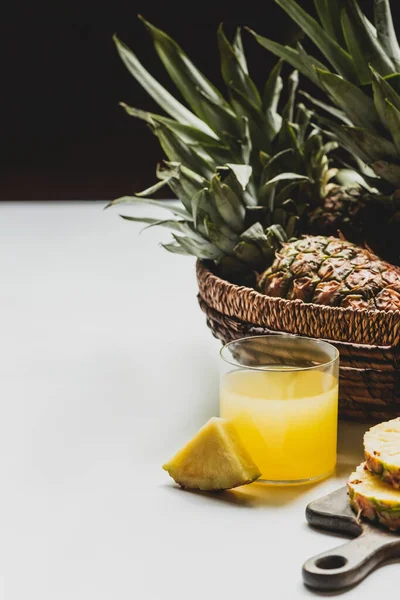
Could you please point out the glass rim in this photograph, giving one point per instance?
(283, 335)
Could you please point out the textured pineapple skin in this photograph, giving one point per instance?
(362, 218)
(380, 510)
(332, 272)
(375, 458)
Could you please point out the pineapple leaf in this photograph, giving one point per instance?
(187, 78)
(220, 236)
(176, 249)
(188, 134)
(233, 73)
(363, 45)
(291, 177)
(385, 31)
(277, 234)
(206, 251)
(228, 204)
(167, 102)
(303, 120)
(178, 226)
(172, 206)
(288, 139)
(256, 235)
(346, 140)
(393, 121)
(273, 88)
(203, 206)
(383, 91)
(221, 118)
(245, 141)
(274, 164)
(239, 51)
(336, 55)
(156, 187)
(291, 226)
(305, 64)
(288, 111)
(387, 170)
(250, 253)
(260, 132)
(285, 193)
(329, 15)
(177, 151)
(335, 112)
(371, 145)
(358, 106)
(394, 80)
(242, 173)
(186, 184)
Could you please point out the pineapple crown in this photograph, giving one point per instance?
(217, 220)
(362, 80)
(274, 161)
(247, 127)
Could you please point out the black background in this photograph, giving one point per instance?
(63, 135)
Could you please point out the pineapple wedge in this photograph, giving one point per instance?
(373, 499)
(382, 451)
(215, 459)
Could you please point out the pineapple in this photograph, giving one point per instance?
(288, 155)
(382, 451)
(362, 82)
(373, 499)
(333, 272)
(215, 459)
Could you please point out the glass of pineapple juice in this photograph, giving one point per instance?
(281, 392)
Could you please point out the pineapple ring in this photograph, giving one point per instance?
(373, 499)
(382, 451)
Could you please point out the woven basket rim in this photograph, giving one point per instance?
(220, 294)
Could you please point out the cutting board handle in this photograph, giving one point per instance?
(350, 563)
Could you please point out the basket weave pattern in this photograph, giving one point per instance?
(368, 341)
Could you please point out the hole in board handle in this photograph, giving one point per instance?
(334, 561)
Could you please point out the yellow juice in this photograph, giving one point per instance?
(287, 420)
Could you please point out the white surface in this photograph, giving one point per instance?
(106, 367)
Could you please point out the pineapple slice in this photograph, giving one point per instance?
(373, 499)
(215, 459)
(382, 451)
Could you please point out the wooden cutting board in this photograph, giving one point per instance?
(348, 564)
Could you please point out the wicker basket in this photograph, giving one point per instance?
(368, 341)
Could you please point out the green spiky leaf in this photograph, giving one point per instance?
(385, 31)
(239, 51)
(393, 121)
(228, 204)
(293, 56)
(336, 55)
(177, 151)
(329, 15)
(290, 177)
(233, 73)
(330, 109)
(387, 170)
(172, 206)
(185, 75)
(288, 110)
(167, 102)
(206, 251)
(363, 46)
(188, 134)
(222, 237)
(358, 106)
(176, 249)
(260, 132)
